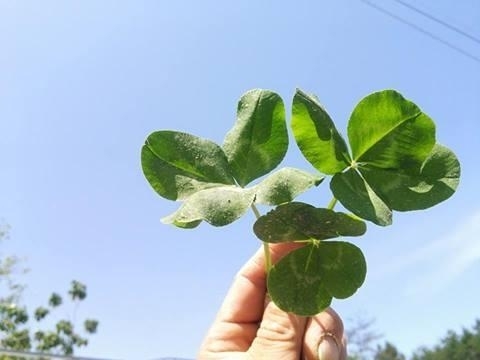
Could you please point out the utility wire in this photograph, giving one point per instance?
(39, 355)
(439, 21)
(423, 31)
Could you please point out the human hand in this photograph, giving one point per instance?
(250, 327)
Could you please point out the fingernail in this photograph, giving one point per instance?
(328, 349)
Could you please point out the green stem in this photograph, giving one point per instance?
(332, 203)
(266, 248)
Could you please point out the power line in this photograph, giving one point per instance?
(439, 21)
(39, 355)
(423, 31)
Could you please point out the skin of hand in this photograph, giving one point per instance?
(250, 327)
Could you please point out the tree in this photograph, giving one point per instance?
(10, 266)
(454, 346)
(388, 352)
(16, 327)
(21, 330)
(361, 338)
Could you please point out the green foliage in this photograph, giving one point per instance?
(64, 327)
(78, 291)
(464, 345)
(19, 329)
(306, 280)
(55, 300)
(284, 185)
(389, 132)
(178, 164)
(362, 337)
(393, 148)
(90, 326)
(388, 352)
(259, 140)
(210, 179)
(391, 162)
(10, 267)
(17, 339)
(40, 313)
(461, 345)
(435, 181)
(13, 314)
(205, 205)
(316, 135)
(300, 221)
(16, 332)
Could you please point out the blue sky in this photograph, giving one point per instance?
(82, 84)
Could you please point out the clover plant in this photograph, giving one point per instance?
(391, 162)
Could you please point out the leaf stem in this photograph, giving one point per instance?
(332, 203)
(266, 248)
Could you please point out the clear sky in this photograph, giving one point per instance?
(82, 83)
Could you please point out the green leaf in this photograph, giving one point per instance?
(344, 267)
(259, 140)
(218, 206)
(305, 280)
(40, 313)
(316, 135)
(50, 340)
(78, 291)
(388, 131)
(18, 340)
(55, 300)
(285, 185)
(64, 326)
(300, 221)
(181, 223)
(436, 181)
(91, 326)
(177, 164)
(295, 284)
(357, 196)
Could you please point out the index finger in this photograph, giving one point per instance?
(245, 300)
(237, 321)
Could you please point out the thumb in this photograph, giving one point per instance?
(279, 336)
